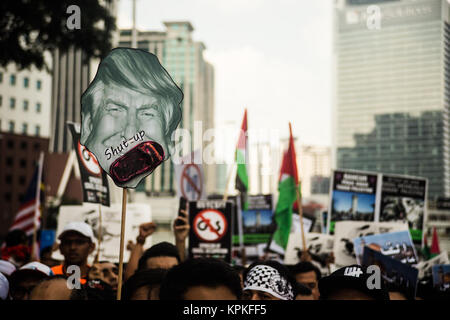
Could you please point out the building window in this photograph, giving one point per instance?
(10, 143)
(1, 77)
(25, 105)
(12, 80)
(37, 146)
(24, 128)
(8, 179)
(8, 197)
(37, 130)
(11, 126)
(12, 103)
(38, 107)
(23, 163)
(22, 180)
(23, 145)
(38, 84)
(25, 82)
(1, 101)
(9, 162)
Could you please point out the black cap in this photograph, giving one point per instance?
(351, 277)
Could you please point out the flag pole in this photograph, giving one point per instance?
(299, 202)
(230, 174)
(34, 257)
(122, 234)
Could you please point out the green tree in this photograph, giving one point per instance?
(28, 28)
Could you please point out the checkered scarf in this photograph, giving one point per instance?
(268, 279)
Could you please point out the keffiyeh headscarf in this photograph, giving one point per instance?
(268, 279)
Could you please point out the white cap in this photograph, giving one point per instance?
(7, 267)
(37, 266)
(80, 227)
(4, 287)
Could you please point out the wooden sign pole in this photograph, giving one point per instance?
(299, 202)
(122, 236)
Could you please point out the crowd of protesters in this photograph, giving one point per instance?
(163, 273)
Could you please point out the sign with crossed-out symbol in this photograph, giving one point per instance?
(210, 225)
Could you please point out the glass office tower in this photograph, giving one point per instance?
(391, 110)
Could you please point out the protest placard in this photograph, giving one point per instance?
(399, 277)
(353, 196)
(397, 245)
(137, 214)
(425, 267)
(404, 198)
(346, 231)
(94, 181)
(210, 232)
(441, 277)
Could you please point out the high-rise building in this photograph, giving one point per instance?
(18, 158)
(25, 97)
(72, 72)
(392, 89)
(183, 59)
(314, 168)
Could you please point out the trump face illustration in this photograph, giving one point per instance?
(129, 113)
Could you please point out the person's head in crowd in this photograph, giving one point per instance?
(268, 280)
(351, 283)
(7, 268)
(23, 280)
(144, 285)
(77, 243)
(201, 279)
(163, 255)
(16, 249)
(105, 271)
(304, 293)
(46, 257)
(308, 275)
(94, 290)
(53, 288)
(240, 270)
(4, 287)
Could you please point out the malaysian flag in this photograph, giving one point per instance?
(28, 217)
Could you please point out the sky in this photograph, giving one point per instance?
(273, 57)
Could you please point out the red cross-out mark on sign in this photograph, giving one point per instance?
(210, 225)
(195, 186)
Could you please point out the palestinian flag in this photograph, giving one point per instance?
(288, 182)
(242, 162)
(426, 249)
(435, 250)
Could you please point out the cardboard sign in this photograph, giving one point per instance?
(111, 221)
(404, 199)
(353, 196)
(129, 112)
(319, 245)
(94, 181)
(190, 177)
(210, 232)
(401, 276)
(346, 231)
(397, 245)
